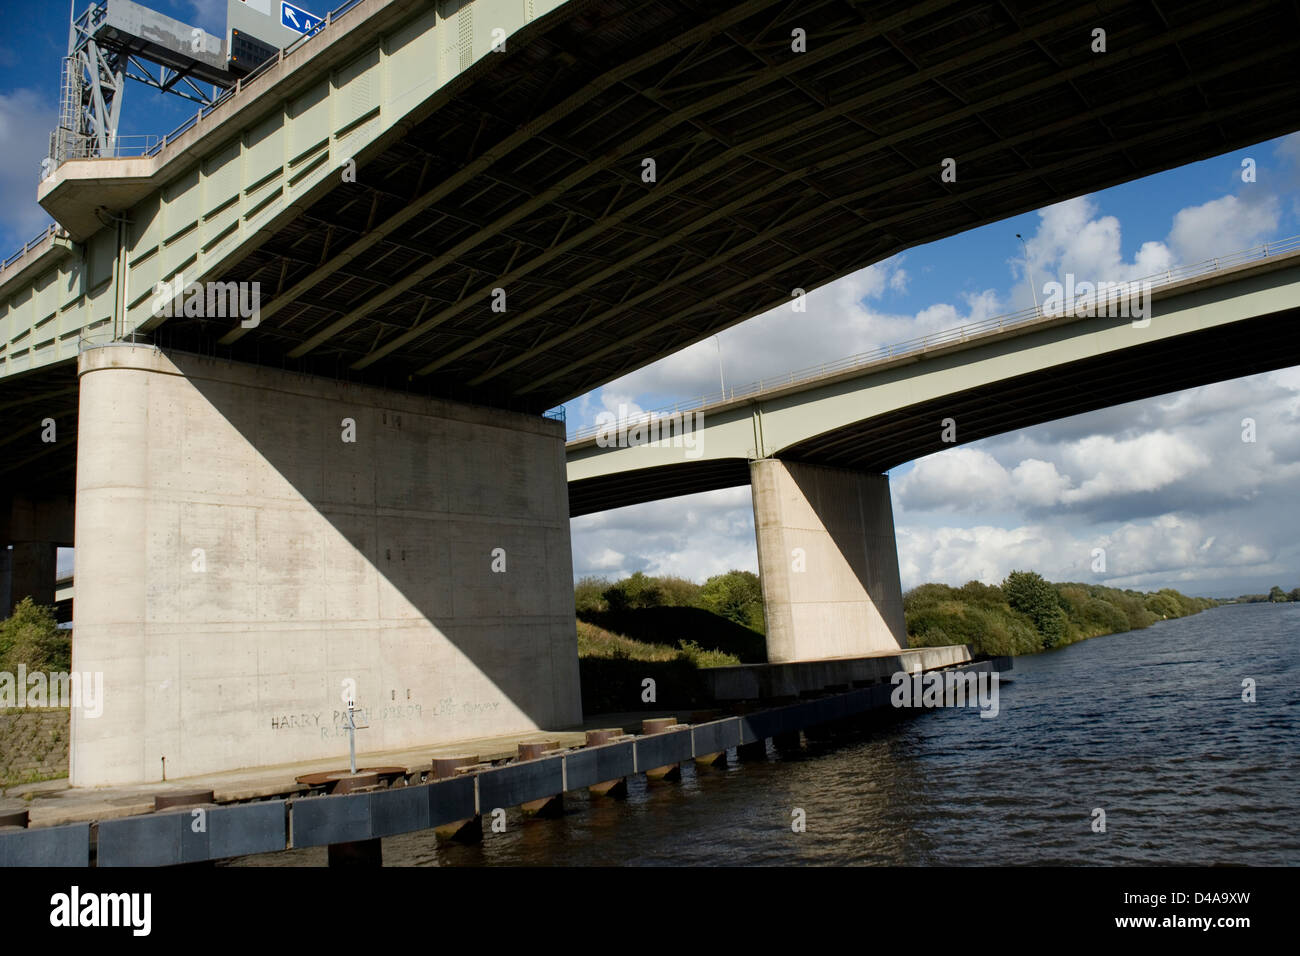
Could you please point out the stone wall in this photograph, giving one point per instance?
(33, 744)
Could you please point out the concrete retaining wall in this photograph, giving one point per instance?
(33, 744)
(758, 681)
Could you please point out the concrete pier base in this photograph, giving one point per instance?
(609, 788)
(616, 787)
(668, 772)
(828, 561)
(462, 831)
(252, 544)
(547, 807)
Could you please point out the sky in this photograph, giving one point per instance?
(1166, 486)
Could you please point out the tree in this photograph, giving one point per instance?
(1029, 594)
(1277, 595)
(1295, 594)
(737, 596)
(637, 591)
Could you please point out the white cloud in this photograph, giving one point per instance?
(1223, 225)
(1146, 463)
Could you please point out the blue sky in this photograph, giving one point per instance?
(1196, 512)
(32, 44)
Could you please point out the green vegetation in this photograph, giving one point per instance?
(1027, 614)
(623, 627)
(32, 637)
(723, 615)
(612, 668)
(1275, 596)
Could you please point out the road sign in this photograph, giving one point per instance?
(296, 18)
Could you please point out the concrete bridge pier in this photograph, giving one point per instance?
(36, 528)
(33, 572)
(254, 545)
(828, 561)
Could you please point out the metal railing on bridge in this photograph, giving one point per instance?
(152, 145)
(961, 333)
(49, 230)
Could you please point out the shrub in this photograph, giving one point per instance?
(31, 636)
(678, 592)
(737, 596)
(589, 594)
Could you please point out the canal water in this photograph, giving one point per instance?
(1149, 726)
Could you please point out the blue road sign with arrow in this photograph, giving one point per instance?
(296, 18)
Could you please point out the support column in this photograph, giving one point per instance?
(828, 561)
(33, 572)
(36, 527)
(253, 544)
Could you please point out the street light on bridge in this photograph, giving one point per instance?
(1029, 270)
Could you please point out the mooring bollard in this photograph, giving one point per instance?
(606, 788)
(359, 782)
(661, 725)
(552, 806)
(462, 831)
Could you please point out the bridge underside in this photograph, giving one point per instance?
(885, 441)
(1243, 348)
(775, 170)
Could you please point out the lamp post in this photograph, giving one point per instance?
(721, 381)
(1029, 270)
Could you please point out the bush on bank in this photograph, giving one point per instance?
(1027, 614)
(31, 636)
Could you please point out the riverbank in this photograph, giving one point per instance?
(1026, 614)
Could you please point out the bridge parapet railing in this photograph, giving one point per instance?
(961, 333)
(331, 17)
(31, 244)
(104, 335)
